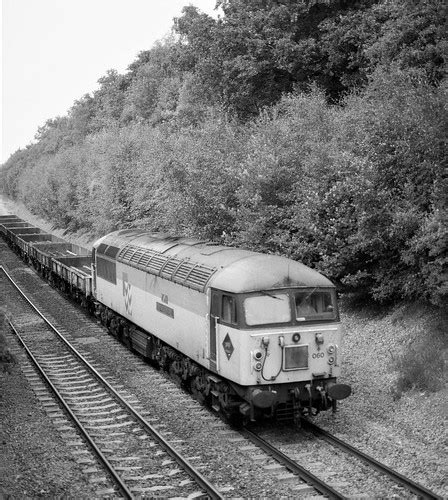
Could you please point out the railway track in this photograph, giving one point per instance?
(292, 466)
(407, 483)
(133, 456)
(407, 486)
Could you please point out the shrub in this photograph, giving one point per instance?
(421, 366)
(6, 358)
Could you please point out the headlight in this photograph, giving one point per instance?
(296, 337)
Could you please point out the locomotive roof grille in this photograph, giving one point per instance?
(169, 268)
(199, 275)
(146, 258)
(156, 263)
(182, 271)
(125, 254)
(136, 256)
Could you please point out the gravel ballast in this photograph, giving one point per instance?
(34, 459)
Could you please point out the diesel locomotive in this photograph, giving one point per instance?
(253, 334)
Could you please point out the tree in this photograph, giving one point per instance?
(259, 50)
(81, 117)
(109, 100)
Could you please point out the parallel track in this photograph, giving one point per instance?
(398, 478)
(79, 387)
(320, 485)
(293, 467)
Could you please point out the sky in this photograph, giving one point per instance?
(55, 51)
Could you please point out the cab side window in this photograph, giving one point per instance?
(228, 309)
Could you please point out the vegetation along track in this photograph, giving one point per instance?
(341, 480)
(126, 445)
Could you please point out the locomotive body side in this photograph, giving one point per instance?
(174, 314)
(238, 314)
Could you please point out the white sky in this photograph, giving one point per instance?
(54, 52)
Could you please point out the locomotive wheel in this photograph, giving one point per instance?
(162, 358)
(113, 327)
(176, 372)
(151, 351)
(127, 342)
(197, 388)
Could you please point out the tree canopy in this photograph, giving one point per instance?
(312, 129)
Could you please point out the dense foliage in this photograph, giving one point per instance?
(313, 129)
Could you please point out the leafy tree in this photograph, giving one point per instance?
(404, 32)
(109, 100)
(148, 76)
(220, 132)
(398, 126)
(259, 50)
(81, 117)
(412, 35)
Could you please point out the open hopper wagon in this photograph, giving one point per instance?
(68, 261)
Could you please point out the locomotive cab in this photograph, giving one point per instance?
(282, 345)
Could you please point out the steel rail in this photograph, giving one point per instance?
(293, 466)
(416, 488)
(107, 465)
(210, 490)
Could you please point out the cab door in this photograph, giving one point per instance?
(214, 317)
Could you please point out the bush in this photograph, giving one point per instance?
(421, 366)
(6, 358)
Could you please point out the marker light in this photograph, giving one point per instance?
(330, 349)
(319, 338)
(296, 337)
(258, 366)
(258, 355)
